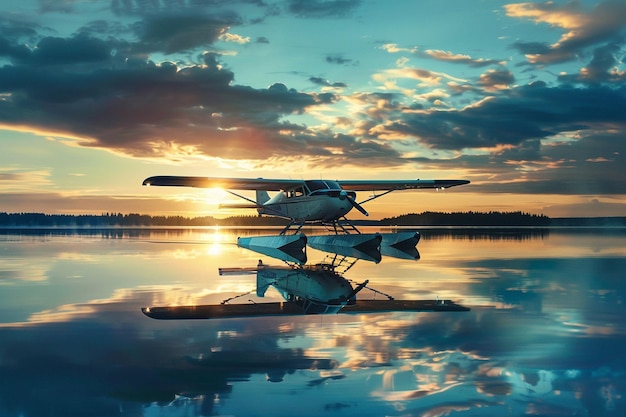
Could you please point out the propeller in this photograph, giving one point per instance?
(343, 195)
(357, 289)
(357, 206)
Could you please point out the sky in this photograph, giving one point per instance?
(525, 100)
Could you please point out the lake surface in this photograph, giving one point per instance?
(545, 334)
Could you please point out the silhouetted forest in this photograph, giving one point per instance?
(128, 220)
(470, 218)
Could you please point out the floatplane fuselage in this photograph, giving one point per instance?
(314, 201)
(304, 201)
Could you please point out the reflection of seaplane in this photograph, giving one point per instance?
(306, 289)
(321, 202)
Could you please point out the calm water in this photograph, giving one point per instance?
(546, 334)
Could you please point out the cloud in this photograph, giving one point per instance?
(448, 56)
(425, 77)
(230, 37)
(322, 8)
(79, 49)
(106, 93)
(23, 180)
(339, 60)
(603, 67)
(444, 56)
(325, 83)
(170, 33)
(140, 108)
(583, 29)
(100, 85)
(527, 112)
(496, 80)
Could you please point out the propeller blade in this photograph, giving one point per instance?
(357, 206)
(358, 288)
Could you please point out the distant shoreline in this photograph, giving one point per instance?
(422, 220)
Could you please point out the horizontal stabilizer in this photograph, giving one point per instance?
(238, 271)
(238, 206)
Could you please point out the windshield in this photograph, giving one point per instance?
(314, 185)
(333, 185)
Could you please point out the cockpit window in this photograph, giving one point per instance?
(314, 185)
(333, 185)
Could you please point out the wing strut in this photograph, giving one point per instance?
(375, 196)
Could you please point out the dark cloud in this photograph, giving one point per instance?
(147, 109)
(69, 51)
(146, 7)
(603, 67)
(528, 112)
(325, 83)
(496, 79)
(339, 60)
(114, 98)
(100, 85)
(322, 8)
(171, 33)
(586, 163)
(583, 29)
(540, 139)
(52, 6)
(14, 30)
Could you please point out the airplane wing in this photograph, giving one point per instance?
(285, 184)
(392, 185)
(225, 183)
(225, 311)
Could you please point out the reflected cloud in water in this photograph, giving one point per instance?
(545, 335)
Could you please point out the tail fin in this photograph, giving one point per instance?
(262, 281)
(262, 196)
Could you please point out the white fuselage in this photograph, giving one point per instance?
(323, 207)
(317, 283)
(314, 201)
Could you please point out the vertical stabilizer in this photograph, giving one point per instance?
(262, 284)
(262, 196)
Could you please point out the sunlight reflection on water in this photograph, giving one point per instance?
(545, 335)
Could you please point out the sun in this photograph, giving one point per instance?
(215, 196)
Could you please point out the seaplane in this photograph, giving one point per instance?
(315, 202)
(320, 288)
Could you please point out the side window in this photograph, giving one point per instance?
(296, 192)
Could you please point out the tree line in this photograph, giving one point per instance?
(470, 218)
